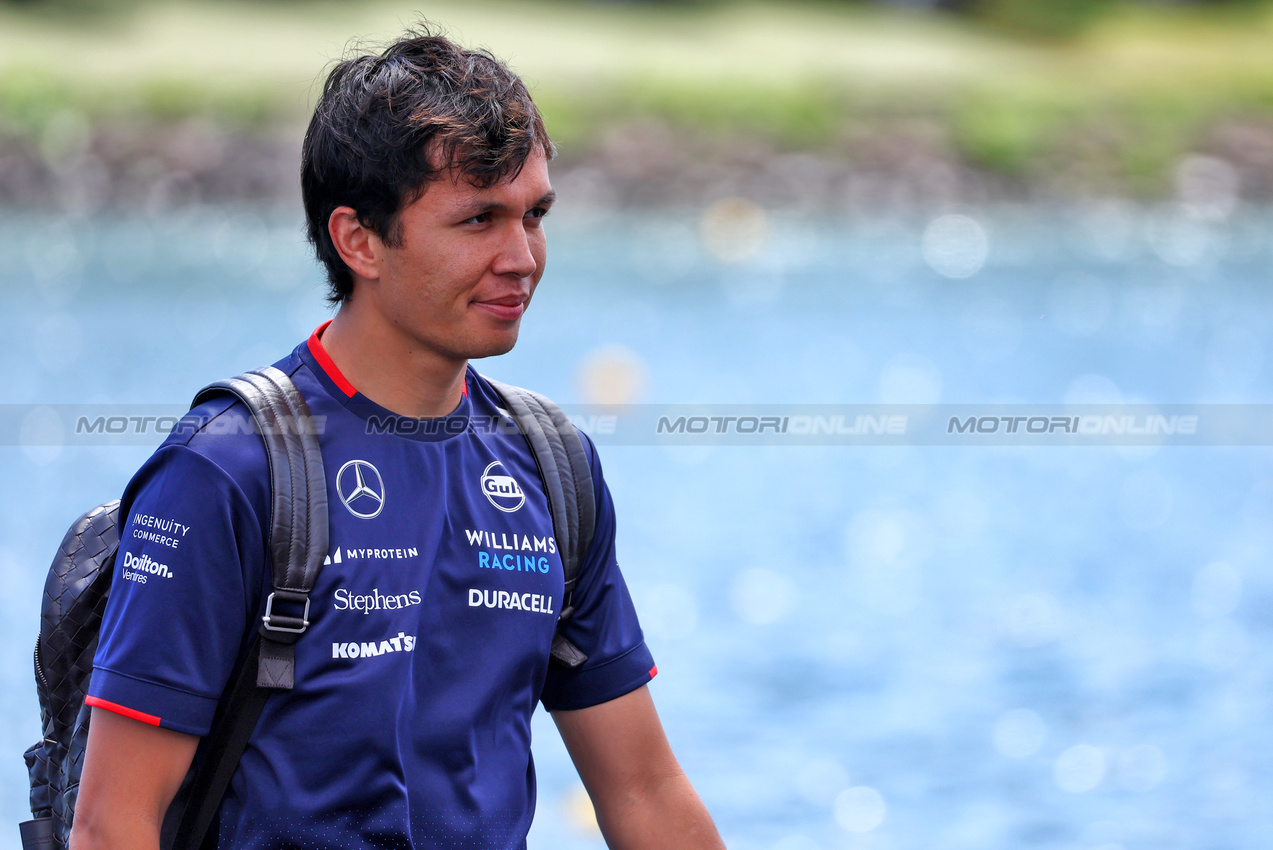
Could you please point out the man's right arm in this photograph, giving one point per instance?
(189, 575)
(132, 771)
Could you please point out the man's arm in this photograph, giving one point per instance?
(131, 773)
(642, 797)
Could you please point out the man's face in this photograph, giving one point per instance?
(467, 264)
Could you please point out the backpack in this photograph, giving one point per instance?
(79, 581)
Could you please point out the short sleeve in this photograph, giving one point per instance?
(604, 626)
(179, 607)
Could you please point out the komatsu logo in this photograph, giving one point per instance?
(403, 642)
(502, 489)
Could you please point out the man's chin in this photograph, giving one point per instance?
(494, 345)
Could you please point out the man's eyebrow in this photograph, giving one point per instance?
(481, 207)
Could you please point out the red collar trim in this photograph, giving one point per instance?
(325, 361)
(329, 366)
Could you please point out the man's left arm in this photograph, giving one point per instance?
(642, 797)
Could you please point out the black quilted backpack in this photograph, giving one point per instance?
(79, 582)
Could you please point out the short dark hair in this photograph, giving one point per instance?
(388, 124)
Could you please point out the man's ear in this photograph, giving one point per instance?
(357, 244)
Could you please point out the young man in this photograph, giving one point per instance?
(425, 183)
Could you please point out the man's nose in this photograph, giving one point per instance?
(515, 256)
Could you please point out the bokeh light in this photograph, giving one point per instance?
(955, 246)
(579, 812)
(611, 375)
(860, 809)
(734, 230)
(1079, 769)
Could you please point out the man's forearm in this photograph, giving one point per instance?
(642, 797)
(131, 772)
(669, 814)
(119, 832)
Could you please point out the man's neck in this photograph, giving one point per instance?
(391, 369)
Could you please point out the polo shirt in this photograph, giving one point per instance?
(430, 623)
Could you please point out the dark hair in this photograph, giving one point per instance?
(388, 124)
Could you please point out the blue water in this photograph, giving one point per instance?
(862, 647)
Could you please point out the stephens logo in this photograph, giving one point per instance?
(361, 489)
(502, 489)
(374, 601)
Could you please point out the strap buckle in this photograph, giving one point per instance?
(285, 622)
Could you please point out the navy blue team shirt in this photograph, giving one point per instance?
(431, 622)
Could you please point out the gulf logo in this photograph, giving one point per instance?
(502, 489)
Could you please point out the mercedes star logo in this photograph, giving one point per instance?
(361, 489)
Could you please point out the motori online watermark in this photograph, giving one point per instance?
(698, 425)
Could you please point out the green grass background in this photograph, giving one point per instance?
(800, 74)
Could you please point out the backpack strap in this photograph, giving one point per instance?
(297, 545)
(567, 478)
(298, 511)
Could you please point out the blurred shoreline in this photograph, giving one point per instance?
(79, 168)
(799, 104)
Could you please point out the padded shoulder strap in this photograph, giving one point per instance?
(563, 467)
(297, 545)
(298, 490)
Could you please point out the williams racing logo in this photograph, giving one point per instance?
(502, 489)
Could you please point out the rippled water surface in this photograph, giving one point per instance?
(859, 646)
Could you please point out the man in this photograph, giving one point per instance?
(425, 184)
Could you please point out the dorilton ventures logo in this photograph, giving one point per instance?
(361, 489)
(137, 569)
(502, 489)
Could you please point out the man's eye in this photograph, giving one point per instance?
(480, 218)
(538, 212)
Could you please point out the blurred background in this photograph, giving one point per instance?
(779, 203)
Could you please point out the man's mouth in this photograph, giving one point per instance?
(507, 309)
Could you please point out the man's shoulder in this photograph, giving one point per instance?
(223, 433)
(488, 397)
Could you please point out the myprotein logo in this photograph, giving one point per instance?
(502, 489)
(402, 642)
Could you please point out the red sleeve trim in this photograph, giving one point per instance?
(654, 671)
(133, 714)
(324, 359)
